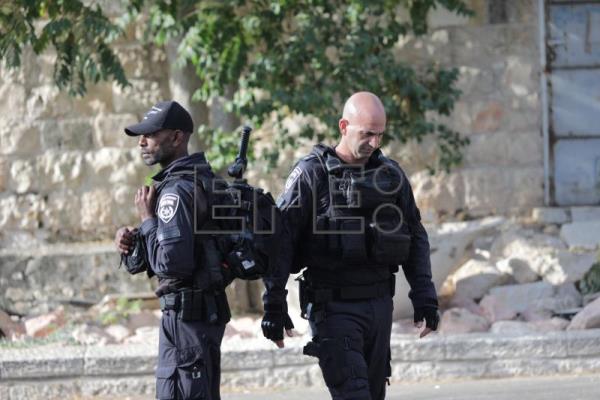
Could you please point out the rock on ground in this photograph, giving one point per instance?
(588, 318)
(461, 320)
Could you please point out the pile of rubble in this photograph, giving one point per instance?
(524, 277)
(495, 274)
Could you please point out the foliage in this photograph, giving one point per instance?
(590, 283)
(282, 58)
(123, 309)
(80, 35)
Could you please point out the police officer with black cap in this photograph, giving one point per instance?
(351, 220)
(194, 306)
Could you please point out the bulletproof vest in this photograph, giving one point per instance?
(363, 224)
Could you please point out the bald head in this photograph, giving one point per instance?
(362, 125)
(364, 106)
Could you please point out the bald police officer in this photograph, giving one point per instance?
(351, 220)
(194, 306)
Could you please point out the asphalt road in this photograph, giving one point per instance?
(585, 387)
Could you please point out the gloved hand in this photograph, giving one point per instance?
(431, 317)
(276, 318)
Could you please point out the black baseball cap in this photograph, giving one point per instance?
(163, 115)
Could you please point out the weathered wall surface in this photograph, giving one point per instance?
(67, 171)
(499, 111)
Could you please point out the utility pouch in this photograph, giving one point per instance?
(389, 248)
(191, 305)
(352, 241)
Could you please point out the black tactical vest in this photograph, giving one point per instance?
(362, 227)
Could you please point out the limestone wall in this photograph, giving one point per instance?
(67, 171)
(498, 57)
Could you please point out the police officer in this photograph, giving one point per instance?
(351, 220)
(194, 308)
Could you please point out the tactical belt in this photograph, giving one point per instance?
(381, 289)
(197, 305)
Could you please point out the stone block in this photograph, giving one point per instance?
(4, 173)
(24, 176)
(20, 212)
(503, 190)
(37, 363)
(109, 131)
(119, 359)
(585, 214)
(13, 97)
(570, 267)
(461, 320)
(474, 278)
(550, 215)
(67, 134)
(117, 388)
(415, 371)
(428, 348)
(503, 346)
(588, 318)
(43, 390)
(45, 324)
(504, 148)
(20, 139)
(60, 169)
(518, 75)
(139, 97)
(583, 343)
(142, 61)
(239, 360)
(581, 235)
(519, 269)
(91, 270)
(489, 118)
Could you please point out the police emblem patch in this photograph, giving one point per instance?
(292, 178)
(167, 207)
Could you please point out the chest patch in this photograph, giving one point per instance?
(167, 207)
(292, 178)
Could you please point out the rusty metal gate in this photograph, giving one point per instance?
(573, 83)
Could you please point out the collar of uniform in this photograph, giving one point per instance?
(374, 160)
(187, 162)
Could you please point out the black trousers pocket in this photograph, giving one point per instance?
(166, 381)
(192, 381)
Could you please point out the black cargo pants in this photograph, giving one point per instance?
(352, 342)
(189, 359)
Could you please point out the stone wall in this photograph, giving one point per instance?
(67, 171)
(499, 111)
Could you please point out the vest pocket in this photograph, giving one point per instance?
(389, 248)
(352, 241)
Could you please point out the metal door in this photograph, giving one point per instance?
(573, 74)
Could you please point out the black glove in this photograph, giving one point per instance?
(430, 315)
(276, 318)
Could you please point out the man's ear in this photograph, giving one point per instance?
(178, 138)
(343, 124)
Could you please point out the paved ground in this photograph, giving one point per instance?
(586, 387)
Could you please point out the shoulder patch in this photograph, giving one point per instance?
(167, 207)
(293, 178)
